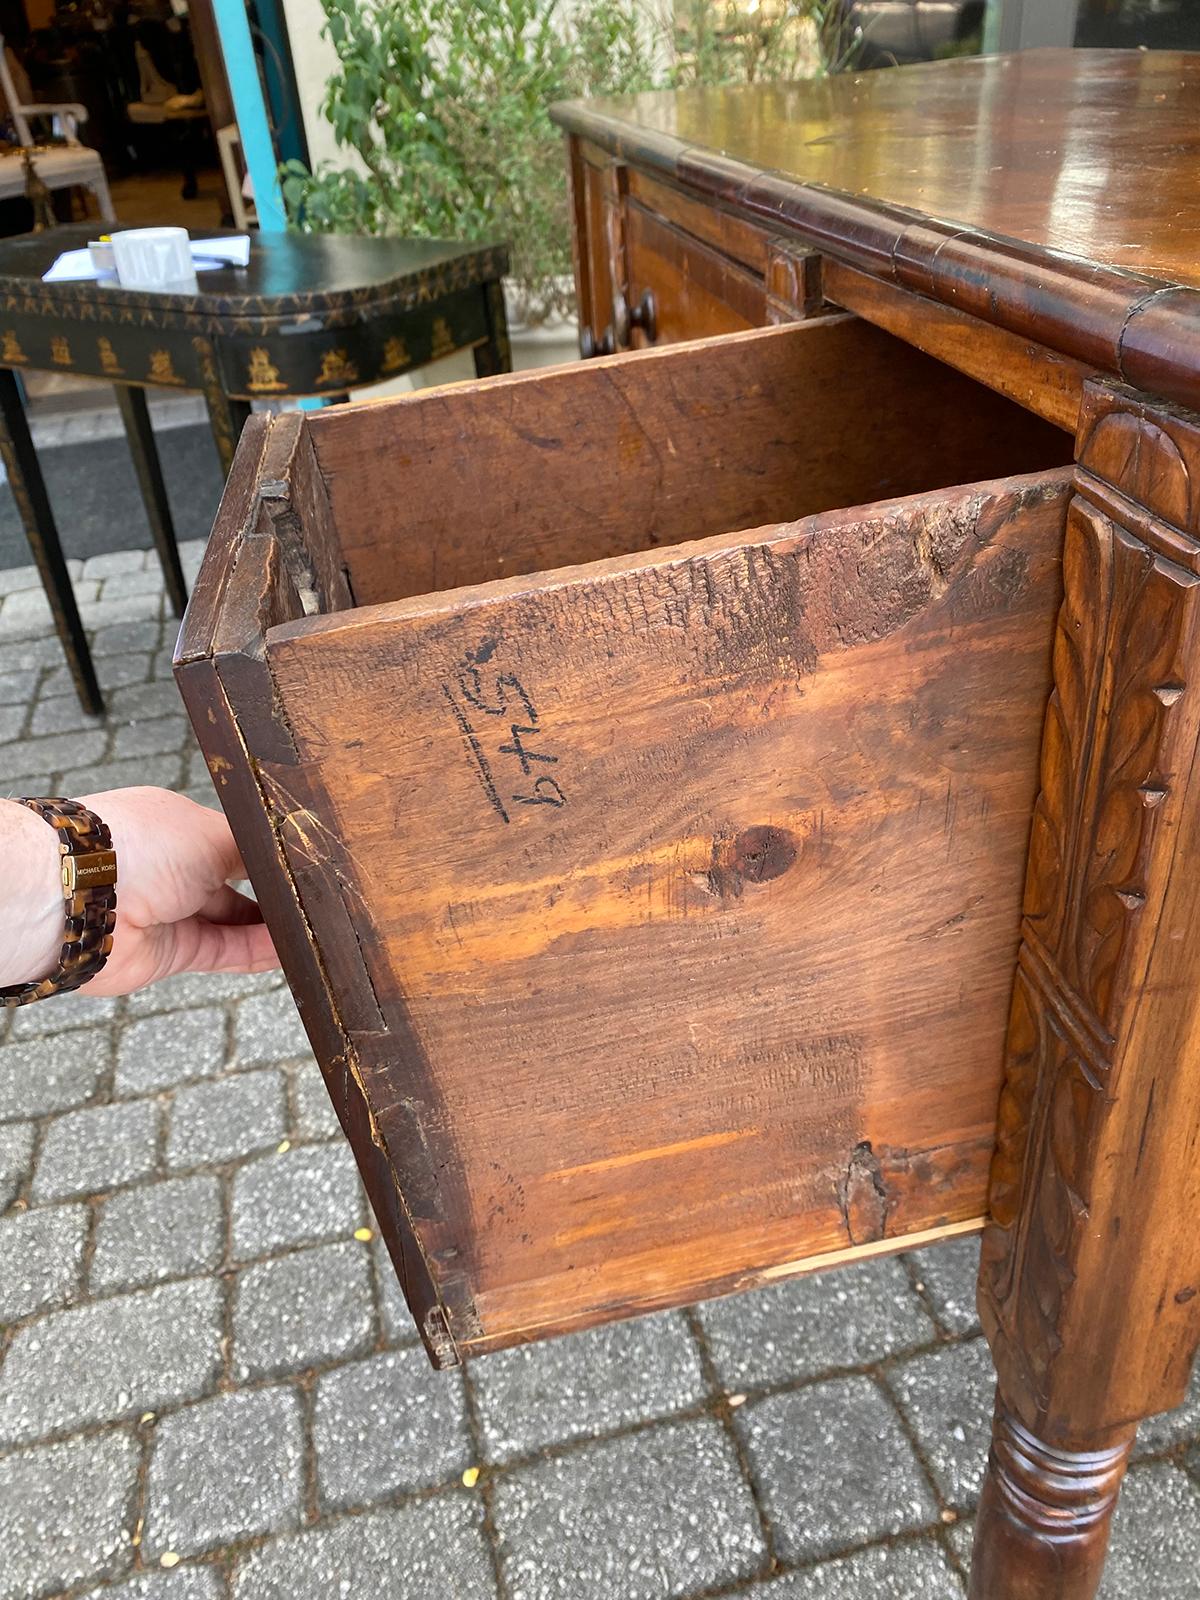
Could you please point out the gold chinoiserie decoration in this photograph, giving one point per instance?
(10, 350)
(336, 368)
(161, 369)
(60, 350)
(262, 375)
(443, 339)
(395, 354)
(108, 358)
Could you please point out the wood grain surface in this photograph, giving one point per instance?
(1010, 145)
(694, 876)
(1012, 189)
(537, 470)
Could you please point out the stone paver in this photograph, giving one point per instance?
(833, 1467)
(947, 1273)
(815, 1324)
(295, 1197)
(427, 1551)
(102, 1147)
(398, 1325)
(312, 1109)
(388, 1424)
(661, 1512)
(917, 1571)
(227, 1118)
(304, 1310)
(77, 1009)
(176, 995)
(163, 1051)
(1155, 1537)
(17, 686)
(66, 1514)
(162, 1230)
(179, 1583)
(51, 754)
(269, 1029)
(121, 637)
(947, 1396)
(41, 1075)
(160, 770)
(224, 1470)
(16, 1159)
(41, 1254)
(111, 1359)
(1169, 1428)
(213, 1321)
(586, 1384)
(151, 738)
(61, 714)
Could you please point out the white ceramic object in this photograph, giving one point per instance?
(154, 258)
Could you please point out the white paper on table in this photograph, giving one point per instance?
(76, 266)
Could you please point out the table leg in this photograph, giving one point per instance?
(99, 189)
(227, 417)
(29, 492)
(494, 354)
(135, 415)
(1090, 1263)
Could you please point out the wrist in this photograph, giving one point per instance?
(31, 933)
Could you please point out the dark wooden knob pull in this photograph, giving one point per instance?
(589, 345)
(644, 315)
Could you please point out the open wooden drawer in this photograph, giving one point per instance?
(638, 788)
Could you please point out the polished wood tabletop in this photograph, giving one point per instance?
(1091, 152)
(287, 275)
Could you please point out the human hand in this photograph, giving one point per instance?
(176, 908)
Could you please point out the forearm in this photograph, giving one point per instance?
(32, 917)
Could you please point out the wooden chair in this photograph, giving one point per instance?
(642, 767)
(66, 165)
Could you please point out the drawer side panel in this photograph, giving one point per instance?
(697, 875)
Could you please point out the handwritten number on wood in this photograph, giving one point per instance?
(501, 693)
(470, 683)
(524, 756)
(545, 793)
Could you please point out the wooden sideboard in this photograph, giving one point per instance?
(727, 807)
(1031, 221)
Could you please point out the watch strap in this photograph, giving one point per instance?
(89, 877)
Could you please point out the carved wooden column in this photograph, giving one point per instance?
(1091, 1261)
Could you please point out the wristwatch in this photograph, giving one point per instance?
(89, 878)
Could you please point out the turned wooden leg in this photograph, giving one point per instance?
(1089, 1285)
(1044, 1515)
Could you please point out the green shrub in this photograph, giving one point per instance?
(445, 102)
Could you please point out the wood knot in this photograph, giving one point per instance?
(756, 855)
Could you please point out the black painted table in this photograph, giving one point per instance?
(309, 315)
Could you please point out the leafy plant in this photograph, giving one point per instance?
(445, 105)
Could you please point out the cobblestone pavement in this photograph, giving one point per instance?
(209, 1387)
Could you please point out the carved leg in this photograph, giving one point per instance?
(135, 415)
(1044, 1514)
(1091, 1261)
(33, 505)
(494, 355)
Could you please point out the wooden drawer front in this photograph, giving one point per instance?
(697, 292)
(731, 236)
(653, 917)
(598, 242)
